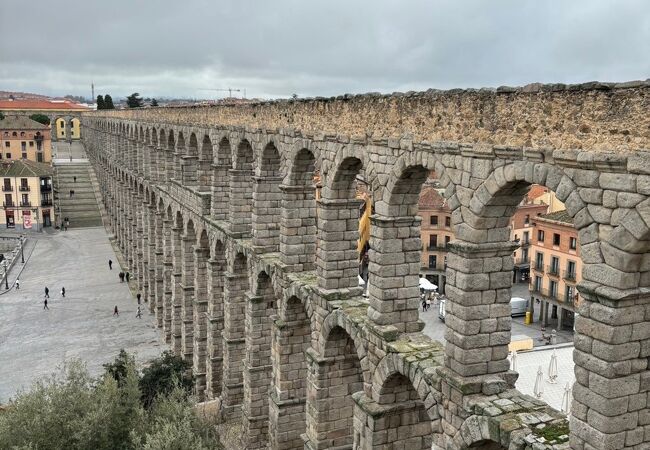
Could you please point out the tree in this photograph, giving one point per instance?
(163, 375)
(154, 102)
(119, 368)
(40, 118)
(2, 116)
(100, 102)
(134, 100)
(108, 102)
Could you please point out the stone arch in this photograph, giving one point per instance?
(206, 155)
(216, 275)
(200, 318)
(484, 433)
(267, 200)
(220, 179)
(241, 190)
(193, 146)
(170, 160)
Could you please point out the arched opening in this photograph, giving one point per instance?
(241, 191)
(235, 297)
(337, 258)
(216, 275)
(298, 214)
(179, 153)
(167, 274)
(221, 181)
(201, 314)
(187, 286)
(159, 249)
(177, 287)
(331, 383)
(260, 312)
(291, 338)
(266, 201)
(205, 164)
(189, 163)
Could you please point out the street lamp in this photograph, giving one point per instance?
(6, 275)
(22, 249)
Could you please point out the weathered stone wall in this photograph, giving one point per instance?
(594, 116)
(281, 309)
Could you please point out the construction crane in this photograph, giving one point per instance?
(229, 90)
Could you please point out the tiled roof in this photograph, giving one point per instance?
(21, 123)
(558, 216)
(25, 168)
(537, 191)
(41, 104)
(430, 198)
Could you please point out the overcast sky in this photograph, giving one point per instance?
(274, 48)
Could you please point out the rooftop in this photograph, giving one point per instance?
(558, 216)
(430, 198)
(24, 168)
(41, 105)
(21, 123)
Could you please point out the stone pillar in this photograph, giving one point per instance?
(177, 291)
(200, 318)
(266, 214)
(394, 269)
(241, 202)
(216, 269)
(298, 228)
(560, 313)
(159, 290)
(232, 392)
(178, 164)
(189, 170)
(187, 287)
(612, 344)
(220, 191)
(478, 307)
(336, 256)
(257, 370)
(147, 160)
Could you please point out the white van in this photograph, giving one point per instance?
(518, 306)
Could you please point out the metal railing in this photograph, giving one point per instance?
(8, 204)
(7, 188)
(553, 271)
(569, 275)
(538, 266)
(27, 203)
(546, 292)
(522, 261)
(23, 188)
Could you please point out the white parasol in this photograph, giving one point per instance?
(538, 390)
(552, 369)
(427, 285)
(566, 399)
(513, 359)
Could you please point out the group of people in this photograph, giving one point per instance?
(65, 224)
(125, 276)
(47, 294)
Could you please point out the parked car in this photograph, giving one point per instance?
(518, 307)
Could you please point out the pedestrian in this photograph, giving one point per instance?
(74, 178)
(139, 296)
(121, 275)
(62, 292)
(47, 292)
(139, 313)
(424, 305)
(110, 264)
(71, 192)
(45, 304)
(116, 312)
(428, 303)
(127, 275)
(17, 283)
(67, 224)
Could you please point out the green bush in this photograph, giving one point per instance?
(74, 411)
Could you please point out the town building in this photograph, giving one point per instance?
(436, 233)
(24, 138)
(64, 114)
(556, 267)
(27, 189)
(521, 226)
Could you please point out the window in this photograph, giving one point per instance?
(23, 146)
(8, 200)
(39, 157)
(570, 270)
(39, 147)
(24, 156)
(14, 134)
(540, 235)
(538, 284)
(62, 133)
(433, 261)
(527, 219)
(555, 265)
(573, 243)
(25, 200)
(447, 239)
(8, 155)
(31, 143)
(526, 237)
(7, 184)
(539, 261)
(552, 288)
(447, 221)
(434, 220)
(569, 294)
(22, 133)
(556, 239)
(433, 241)
(524, 255)
(7, 144)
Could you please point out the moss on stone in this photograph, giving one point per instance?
(554, 431)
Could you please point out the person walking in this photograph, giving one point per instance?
(128, 275)
(63, 292)
(47, 292)
(17, 283)
(139, 313)
(71, 192)
(45, 304)
(74, 178)
(110, 264)
(139, 296)
(116, 312)
(121, 275)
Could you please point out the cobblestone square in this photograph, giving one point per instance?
(33, 342)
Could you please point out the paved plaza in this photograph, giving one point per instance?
(34, 341)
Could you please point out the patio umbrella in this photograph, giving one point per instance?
(552, 369)
(566, 399)
(427, 285)
(538, 390)
(513, 359)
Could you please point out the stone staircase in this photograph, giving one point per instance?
(82, 209)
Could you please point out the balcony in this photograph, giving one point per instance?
(7, 188)
(569, 275)
(524, 243)
(553, 271)
(547, 293)
(25, 204)
(522, 261)
(8, 204)
(23, 188)
(46, 188)
(437, 248)
(538, 266)
(46, 202)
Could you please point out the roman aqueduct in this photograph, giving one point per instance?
(254, 280)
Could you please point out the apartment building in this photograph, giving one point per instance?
(435, 233)
(556, 267)
(24, 138)
(521, 226)
(27, 195)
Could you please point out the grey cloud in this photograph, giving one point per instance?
(276, 48)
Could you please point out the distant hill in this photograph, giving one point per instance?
(6, 95)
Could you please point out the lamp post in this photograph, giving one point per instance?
(22, 249)
(6, 275)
